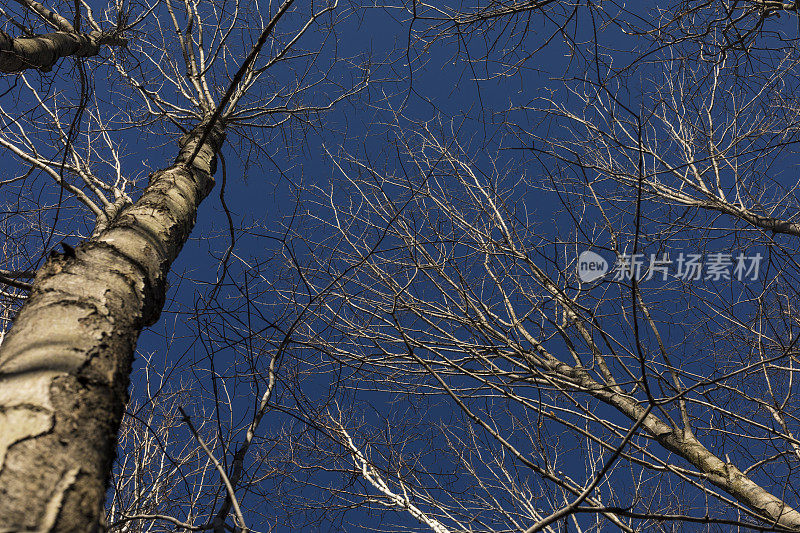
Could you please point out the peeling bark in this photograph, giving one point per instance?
(43, 51)
(65, 364)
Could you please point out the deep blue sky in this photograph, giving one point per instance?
(488, 106)
(445, 92)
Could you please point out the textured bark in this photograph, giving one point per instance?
(43, 51)
(64, 366)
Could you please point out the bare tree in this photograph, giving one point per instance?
(413, 343)
(437, 284)
(65, 362)
(43, 50)
(442, 285)
(481, 385)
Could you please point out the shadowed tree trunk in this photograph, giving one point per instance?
(63, 386)
(65, 363)
(43, 51)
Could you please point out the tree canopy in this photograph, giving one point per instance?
(329, 266)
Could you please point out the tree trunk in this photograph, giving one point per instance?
(65, 364)
(43, 51)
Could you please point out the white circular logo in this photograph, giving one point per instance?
(591, 266)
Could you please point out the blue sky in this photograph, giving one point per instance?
(487, 91)
(486, 117)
